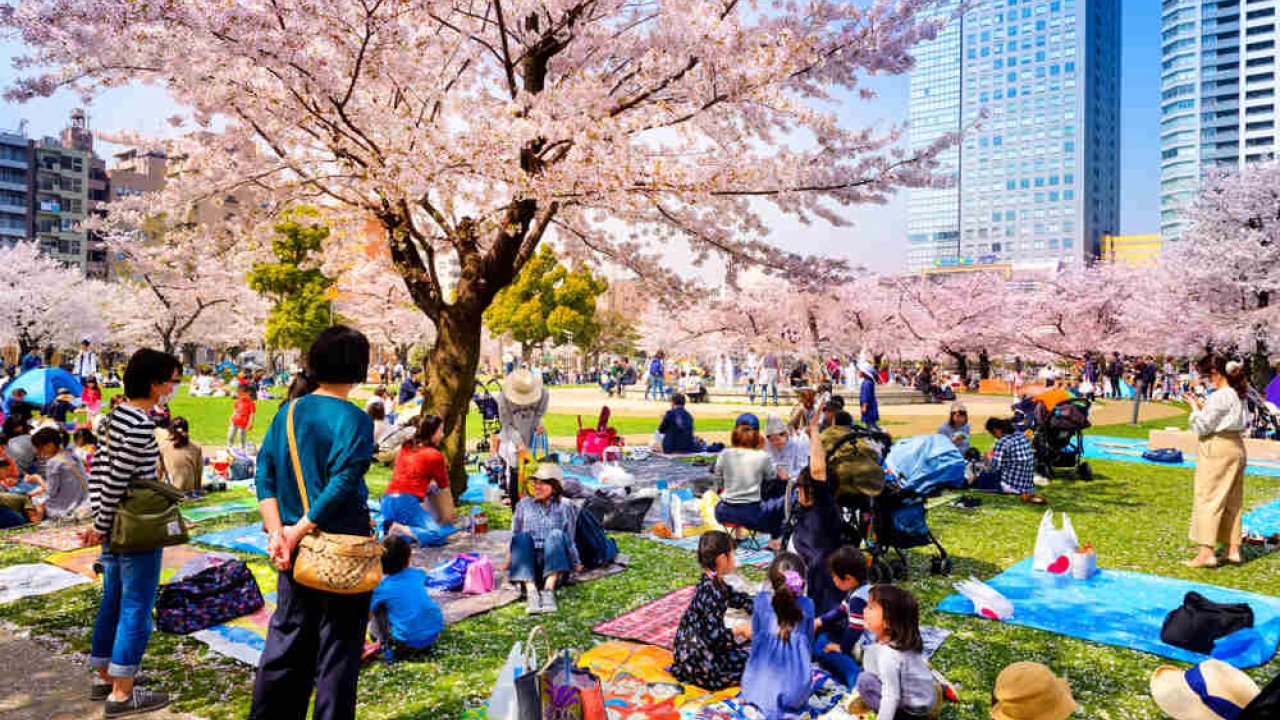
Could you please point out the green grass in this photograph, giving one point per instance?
(1136, 515)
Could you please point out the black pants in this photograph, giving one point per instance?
(314, 641)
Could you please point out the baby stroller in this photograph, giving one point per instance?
(1057, 434)
(1263, 422)
(487, 404)
(919, 468)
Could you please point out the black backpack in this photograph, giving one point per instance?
(1198, 624)
(595, 549)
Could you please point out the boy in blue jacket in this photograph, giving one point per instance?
(404, 615)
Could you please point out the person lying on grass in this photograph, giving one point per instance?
(1011, 464)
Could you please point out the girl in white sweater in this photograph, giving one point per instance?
(896, 680)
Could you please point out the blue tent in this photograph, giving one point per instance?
(42, 385)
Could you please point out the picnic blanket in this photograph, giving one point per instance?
(636, 683)
(1103, 447)
(81, 561)
(245, 538)
(1263, 521)
(20, 581)
(644, 473)
(217, 510)
(457, 606)
(59, 537)
(655, 623)
(744, 554)
(1115, 607)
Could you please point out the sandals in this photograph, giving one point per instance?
(1194, 563)
(1033, 499)
(1231, 560)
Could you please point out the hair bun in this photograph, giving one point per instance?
(1234, 367)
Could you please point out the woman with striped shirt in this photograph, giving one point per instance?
(129, 580)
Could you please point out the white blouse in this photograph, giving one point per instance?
(1222, 412)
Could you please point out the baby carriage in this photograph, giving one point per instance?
(1057, 433)
(1262, 420)
(919, 468)
(487, 404)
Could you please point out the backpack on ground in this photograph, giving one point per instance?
(210, 597)
(595, 549)
(1172, 456)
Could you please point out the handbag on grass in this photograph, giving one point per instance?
(342, 564)
(148, 518)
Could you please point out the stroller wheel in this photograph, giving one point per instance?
(898, 570)
(879, 573)
(940, 566)
(1085, 472)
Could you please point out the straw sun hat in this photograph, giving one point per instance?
(1212, 690)
(522, 387)
(1030, 691)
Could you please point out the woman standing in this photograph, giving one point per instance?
(315, 637)
(1220, 460)
(521, 407)
(421, 476)
(129, 579)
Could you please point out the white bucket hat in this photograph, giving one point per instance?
(522, 387)
(774, 425)
(1212, 690)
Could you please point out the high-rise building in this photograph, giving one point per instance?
(62, 201)
(15, 187)
(1034, 87)
(1218, 90)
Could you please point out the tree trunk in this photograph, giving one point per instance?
(450, 376)
(962, 363)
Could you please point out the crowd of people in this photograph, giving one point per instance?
(816, 607)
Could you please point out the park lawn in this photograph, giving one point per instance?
(1136, 516)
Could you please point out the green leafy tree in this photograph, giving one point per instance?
(294, 283)
(618, 335)
(548, 303)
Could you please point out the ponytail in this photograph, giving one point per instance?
(786, 575)
(180, 431)
(1231, 370)
(303, 384)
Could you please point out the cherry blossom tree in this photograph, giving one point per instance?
(371, 295)
(43, 302)
(472, 130)
(1078, 310)
(956, 315)
(1228, 261)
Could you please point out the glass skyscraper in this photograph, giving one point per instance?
(1034, 86)
(1218, 94)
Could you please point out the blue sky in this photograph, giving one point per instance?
(878, 239)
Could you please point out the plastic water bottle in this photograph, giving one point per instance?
(664, 504)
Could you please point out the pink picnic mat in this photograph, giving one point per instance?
(60, 538)
(654, 624)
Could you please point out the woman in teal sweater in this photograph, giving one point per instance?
(315, 638)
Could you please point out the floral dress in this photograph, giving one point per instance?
(705, 652)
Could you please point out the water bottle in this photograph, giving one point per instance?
(664, 503)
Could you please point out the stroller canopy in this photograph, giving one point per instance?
(926, 463)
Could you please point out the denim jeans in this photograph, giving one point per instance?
(407, 510)
(120, 634)
(234, 430)
(528, 563)
(764, 516)
(656, 387)
(841, 666)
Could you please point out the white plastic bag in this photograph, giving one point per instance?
(987, 601)
(502, 703)
(1054, 547)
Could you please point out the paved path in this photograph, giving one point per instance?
(43, 685)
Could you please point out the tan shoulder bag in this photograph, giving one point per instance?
(342, 564)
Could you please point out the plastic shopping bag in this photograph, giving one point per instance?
(987, 601)
(1054, 547)
(502, 702)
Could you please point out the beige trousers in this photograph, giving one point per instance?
(1219, 490)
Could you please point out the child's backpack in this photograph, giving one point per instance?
(479, 577)
(595, 549)
(210, 597)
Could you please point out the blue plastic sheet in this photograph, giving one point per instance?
(246, 538)
(1263, 520)
(1103, 447)
(1118, 607)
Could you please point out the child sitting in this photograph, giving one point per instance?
(706, 653)
(896, 681)
(779, 674)
(404, 615)
(843, 628)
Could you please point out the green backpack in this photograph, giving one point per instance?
(853, 462)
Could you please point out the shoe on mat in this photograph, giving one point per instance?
(141, 701)
(99, 689)
(534, 601)
(549, 602)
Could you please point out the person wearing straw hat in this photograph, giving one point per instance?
(1212, 690)
(521, 407)
(1030, 691)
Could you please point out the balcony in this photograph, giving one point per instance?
(15, 164)
(19, 186)
(16, 209)
(12, 232)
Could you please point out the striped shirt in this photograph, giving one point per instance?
(131, 452)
